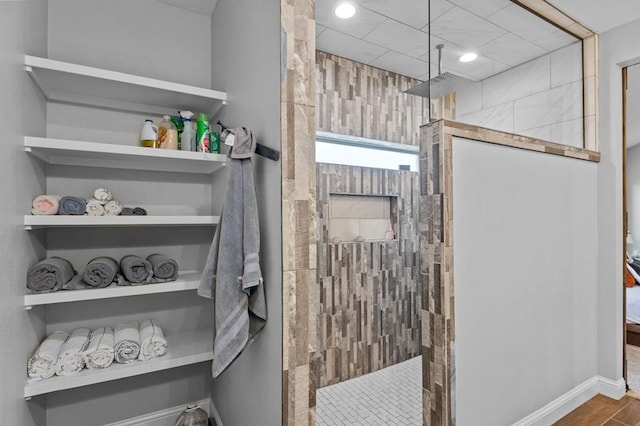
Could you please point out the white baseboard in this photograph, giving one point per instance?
(571, 400)
(165, 417)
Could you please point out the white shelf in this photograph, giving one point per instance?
(184, 349)
(189, 280)
(91, 154)
(79, 84)
(32, 222)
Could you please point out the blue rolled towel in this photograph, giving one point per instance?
(139, 211)
(72, 206)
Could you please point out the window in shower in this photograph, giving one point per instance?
(355, 151)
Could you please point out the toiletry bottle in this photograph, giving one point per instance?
(148, 134)
(177, 121)
(203, 133)
(214, 140)
(167, 134)
(188, 135)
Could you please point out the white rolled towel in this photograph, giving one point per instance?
(113, 208)
(102, 195)
(95, 208)
(127, 338)
(71, 357)
(152, 341)
(99, 352)
(42, 364)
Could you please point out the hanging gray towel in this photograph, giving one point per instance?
(232, 275)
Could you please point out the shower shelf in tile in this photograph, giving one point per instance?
(79, 84)
(184, 349)
(188, 280)
(35, 222)
(92, 154)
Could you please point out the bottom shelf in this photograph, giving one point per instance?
(184, 349)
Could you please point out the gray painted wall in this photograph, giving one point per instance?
(246, 63)
(618, 48)
(525, 247)
(23, 29)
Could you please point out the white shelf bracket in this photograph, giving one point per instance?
(28, 308)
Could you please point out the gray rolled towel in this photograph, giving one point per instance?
(101, 272)
(126, 211)
(72, 206)
(50, 274)
(136, 270)
(164, 269)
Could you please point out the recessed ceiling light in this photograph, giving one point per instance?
(345, 10)
(468, 57)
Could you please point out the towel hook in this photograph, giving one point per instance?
(261, 150)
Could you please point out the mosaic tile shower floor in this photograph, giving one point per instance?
(391, 396)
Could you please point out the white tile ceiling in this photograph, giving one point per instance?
(393, 35)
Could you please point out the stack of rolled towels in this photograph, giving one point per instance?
(56, 273)
(101, 204)
(66, 354)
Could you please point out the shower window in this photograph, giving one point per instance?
(354, 151)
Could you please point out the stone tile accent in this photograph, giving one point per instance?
(298, 212)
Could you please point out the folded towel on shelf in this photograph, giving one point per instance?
(101, 272)
(139, 211)
(95, 208)
(113, 208)
(102, 195)
(126, 211)
(71, 358)
(45, 205)
(152, 341)
(232, 277)
(127, 342)
(136, 270)
(50, 274)
(99, 352)
(42, 364)
(164, 269)
(72, 206)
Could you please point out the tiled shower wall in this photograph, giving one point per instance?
(359, 100)
(541, 98)
(368, 297)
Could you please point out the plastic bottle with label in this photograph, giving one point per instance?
(167, 134)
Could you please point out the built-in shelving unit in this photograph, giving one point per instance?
(75, 84)
(189, 280)
(184, 349)
(80, 84)
(33, 222)
(92, 154)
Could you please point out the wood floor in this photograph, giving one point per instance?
(601, 410)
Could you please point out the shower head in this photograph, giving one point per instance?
(440, 85)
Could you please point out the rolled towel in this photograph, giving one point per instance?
(164, 269)
(101, 272)
(113, 208)
(50, 274)
(102, 195)
(152, 341)
(126, 211)
(99, 352)
(71, 358)
(139, 211)
(72, 206)
(127, 338)
(42, 364)
(95, 208)
(136, 270)
(45, 205)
